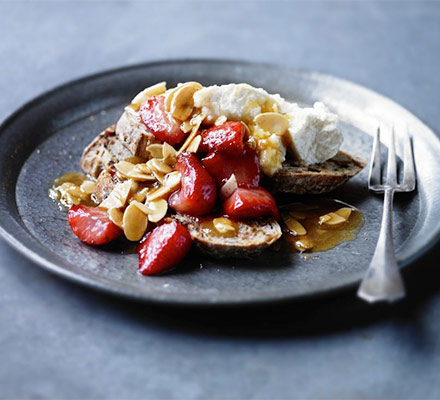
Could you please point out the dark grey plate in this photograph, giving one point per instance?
(45, 138)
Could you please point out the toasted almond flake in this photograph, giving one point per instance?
(186, 126)
(220, 120)
(141, 177)
(169, 154)
(331, 219)
(344, 212)
(124, 167)
(172, 180)
(142, 168)
(155, 150)
(196, 122)
(157, 210)
(194, 145)
(159, 193)
(141, 207)
(182, 103)
(135, 223)
(141, 195)
(88, 187)
(118, 196)
(154, 90)
(295, 227)
(223, 225)
(304, 244)
(160, 166)
(229, 187)
(272, 122)
(160, 177)
(116, 216)
(169, 95)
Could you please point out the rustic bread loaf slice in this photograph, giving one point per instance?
(133, 134)
(251, 237)
(298, 178)
(104, 151)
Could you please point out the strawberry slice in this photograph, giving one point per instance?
(245, 167)
(163, 248)
(247, 203)
(92, 225)
(227, 137)
(159, 122)
(197, 193)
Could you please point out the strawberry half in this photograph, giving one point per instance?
(245, 167)
(163, 248)
(197, 193)
(248, 203)
(159, 122)
(92, 225)
(227, 137)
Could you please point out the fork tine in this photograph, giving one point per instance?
(374, 177)
(409, 175)
(391, 163)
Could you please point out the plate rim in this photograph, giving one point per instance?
(108, 288)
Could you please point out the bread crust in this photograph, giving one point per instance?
(298, 178)
(252, 237)
(104, 151)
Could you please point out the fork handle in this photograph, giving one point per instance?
(382, 280)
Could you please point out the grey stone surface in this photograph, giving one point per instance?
(58, 340)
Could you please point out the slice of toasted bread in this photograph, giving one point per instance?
(251, 238)
(133, 134)
(102, 152)
(298, 178)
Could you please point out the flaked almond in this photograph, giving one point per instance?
(155, 150)
(186, 126)
(172, 180)
(220, 120)
(141, 206)
(223, 225)
(116, 216)
(344, 212)
(303, 244)
(229, 187)
(88, 187)
(294, 226)
(182, 103)
(118, 196)
(143, 96)
(331, 219)
(124, 167)
(169, 154)
(196, 121)
(157, 165)
(272, 122)
(141, 195)
(160, 177)
(161, 192)
(194, 145)
(157, 210)
(135, 223)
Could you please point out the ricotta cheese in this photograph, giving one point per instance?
(312, 136)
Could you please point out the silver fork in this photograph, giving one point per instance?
(382, 280)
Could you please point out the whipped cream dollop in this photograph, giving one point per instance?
(312, 136)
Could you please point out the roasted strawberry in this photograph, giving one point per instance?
(159, 122)
(247, 203)
(245, 167)
(197, 193)
(92, 225)
(163, 248)
(227, 138)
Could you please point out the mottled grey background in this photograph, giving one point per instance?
(60, 340)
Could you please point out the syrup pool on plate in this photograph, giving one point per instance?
(319, 225)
